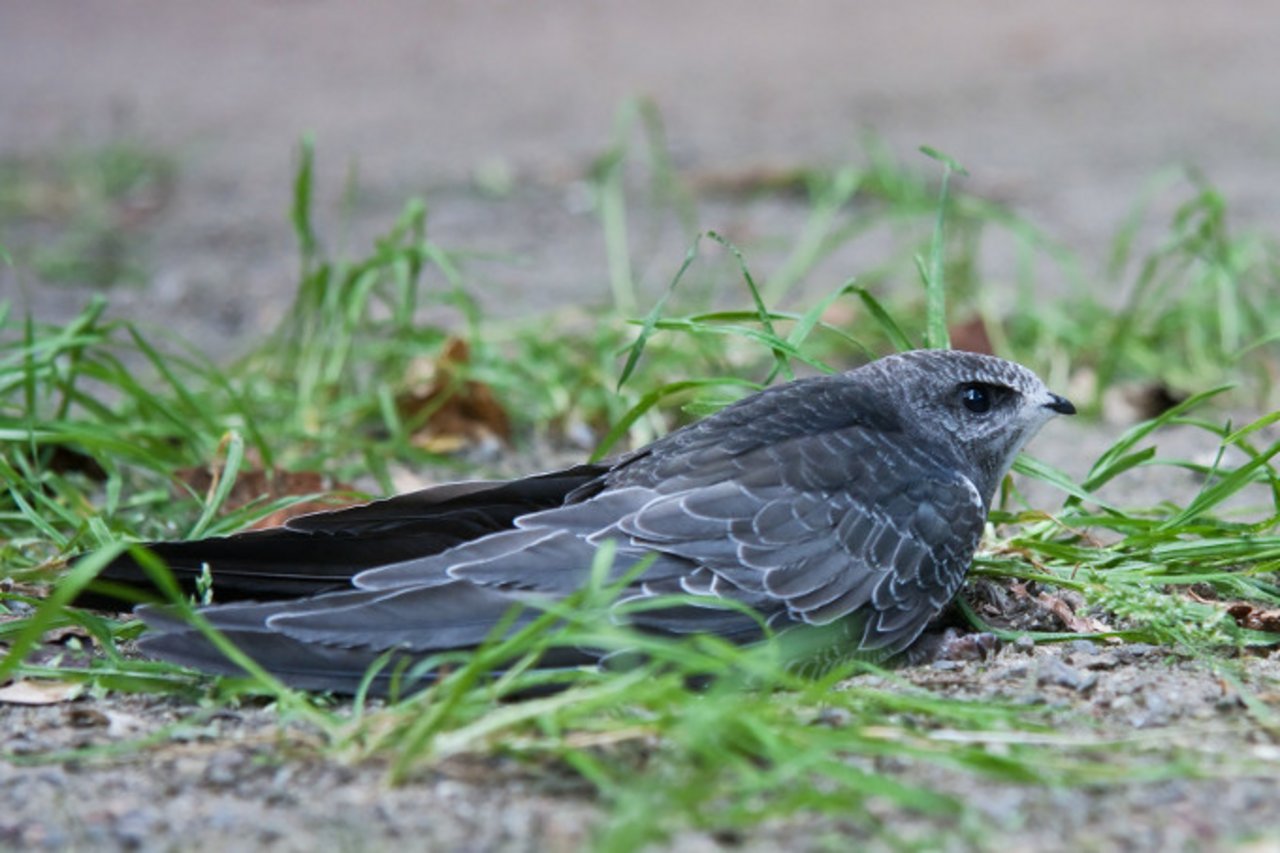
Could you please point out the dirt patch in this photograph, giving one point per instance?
(235, 779)
(243, 778)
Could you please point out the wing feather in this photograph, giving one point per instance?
(827, 526)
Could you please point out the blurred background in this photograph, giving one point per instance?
(149, 147)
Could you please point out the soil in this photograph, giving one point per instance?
(237, 779)
(1063, 112)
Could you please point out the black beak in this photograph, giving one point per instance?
(1061, 405)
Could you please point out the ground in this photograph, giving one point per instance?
(494, 112)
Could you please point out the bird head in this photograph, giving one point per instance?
(984, 407)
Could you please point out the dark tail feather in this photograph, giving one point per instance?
(300, 665)
(303, 663)
(321, 552)
(266, 565)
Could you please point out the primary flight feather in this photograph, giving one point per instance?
(855, 500)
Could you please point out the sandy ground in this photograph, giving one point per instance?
(228, 781)
(1063, 111)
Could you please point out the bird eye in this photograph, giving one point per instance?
(976, 397)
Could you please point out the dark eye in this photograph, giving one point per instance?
(976, 397)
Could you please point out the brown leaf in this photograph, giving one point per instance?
(752, 180)
(842, 313)
(322, 504)
(1254, 618)
(87, 718)
(256, 483)
(971, 336)
(29, 692)
(61, 635)
(452, 412)
(1073, 621)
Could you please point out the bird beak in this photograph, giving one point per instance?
(1061, 405)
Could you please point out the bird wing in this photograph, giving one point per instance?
(830, 524)
(321, 552)
(400, 630)
(807, 530)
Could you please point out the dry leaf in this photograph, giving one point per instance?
(30, 692)
(256, 482)
(1253, 617)
(752, 180)
(971, 336)
(842, 313)
(1073, 621)
(454, 412)
(322, 504)
(67, 632)
(82, 717)
(1247, 615)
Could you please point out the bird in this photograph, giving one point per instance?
(851, 503)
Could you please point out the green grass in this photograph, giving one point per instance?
(97, 417)
(74, 216)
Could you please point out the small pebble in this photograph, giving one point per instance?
(1082, 647)
(1016, 671)
(134, 828)
(223, 769)
(1104, 661)
(836, 718)
(1053, 671)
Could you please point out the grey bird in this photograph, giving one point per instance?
(854, 501)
